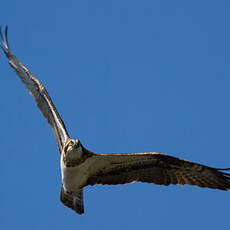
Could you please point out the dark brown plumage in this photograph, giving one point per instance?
(81, 167)
(159, 169)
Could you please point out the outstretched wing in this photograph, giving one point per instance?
(39, 93)
(155, 168)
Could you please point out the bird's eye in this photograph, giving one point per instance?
(71, 143)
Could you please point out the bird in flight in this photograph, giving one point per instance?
(81, 167)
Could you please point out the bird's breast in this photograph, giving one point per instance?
(74, 177)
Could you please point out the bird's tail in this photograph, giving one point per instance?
(73, 200)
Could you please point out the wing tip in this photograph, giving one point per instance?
(225, 178)
(4, 41)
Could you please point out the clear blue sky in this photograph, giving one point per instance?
(126, 76)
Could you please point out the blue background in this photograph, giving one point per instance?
(126, 76)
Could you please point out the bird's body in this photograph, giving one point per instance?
(74, 170)
(81, 167)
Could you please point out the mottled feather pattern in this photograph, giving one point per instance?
(157, 168)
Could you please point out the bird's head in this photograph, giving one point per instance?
(73, 150)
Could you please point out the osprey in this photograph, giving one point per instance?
(81, 167)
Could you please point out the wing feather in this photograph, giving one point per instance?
(38, 92)
(155, 168)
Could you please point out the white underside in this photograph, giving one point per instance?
(73, 178)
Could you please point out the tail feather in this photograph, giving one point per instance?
(78, 202)
(73, 200)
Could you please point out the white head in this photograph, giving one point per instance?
(73, 150)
